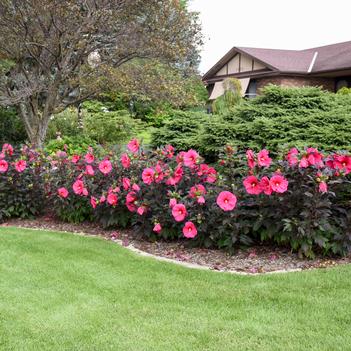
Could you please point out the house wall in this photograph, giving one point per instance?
(290, 81)
(240, 63)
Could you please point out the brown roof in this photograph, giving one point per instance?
(328, 58)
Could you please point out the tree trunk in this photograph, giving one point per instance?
(35, 123)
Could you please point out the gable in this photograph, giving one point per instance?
(240, 63)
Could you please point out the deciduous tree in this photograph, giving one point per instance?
(60, 47)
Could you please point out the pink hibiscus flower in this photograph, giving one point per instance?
(4, 166)
(201, 200)
(89, 158)
(148, 175)
(89, 170)
(133, 146)
(266, 186)
(180, 157)
(252, 185)
(79, 188)
(20, 166)
(93, 202)
(263, 158)
(75, 158)
(226, 200)
(172, 202)
(112, 199)
(126, 183)
(136, 187)
(179, 212)
(291, 157)
(323, 187)
(125, 160)
(197, 190)
(189, 230)
(62, 192)
(157, 228)
(105, 167)
(191, 158)
(279, 184)
(141, 210)
(250, 159)
(7, 149)
(159, 175)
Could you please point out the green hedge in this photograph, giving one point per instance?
(278, 119)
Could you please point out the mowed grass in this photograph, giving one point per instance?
(67, 292)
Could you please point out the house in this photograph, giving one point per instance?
(327, 66)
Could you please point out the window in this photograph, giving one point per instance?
(251, 91)
(341, 83)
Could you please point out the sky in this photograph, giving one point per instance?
(275, 24)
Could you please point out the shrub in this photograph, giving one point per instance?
(281, 118)
(109, 127)
(77, 145)
(21, 183)
(64, 124)
(11, 127)
(299, 201)
(181, 129)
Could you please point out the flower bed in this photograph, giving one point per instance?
(301, 201)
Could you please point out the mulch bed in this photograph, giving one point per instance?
(259, 259)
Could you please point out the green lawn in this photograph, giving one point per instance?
(66, 292)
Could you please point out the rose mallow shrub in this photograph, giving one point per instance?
(300, 200)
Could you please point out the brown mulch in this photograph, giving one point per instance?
(259, 259)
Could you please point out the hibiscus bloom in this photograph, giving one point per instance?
(211, 175)
(125, 160)
(62, 192)
(157, 228)
(279, 184)
(191, 158)
(343, 162)
(105, 167)
(112, 199)
(130, 201)
(75, 158)
(176, 177)
(93, 202)
(89, 158)
(133, 146)
(7, 149)
(252, 185)
(180, 157)
(148, 175)
(201, 200)
(291, 157)
(20, 166)
(250, 159)
(4, 166)
(141, 210)
(169, 151)
(89, 170)
(263, 158)
(266, 186)
(172, 202)
(79, 188)
(159, 175)
(136, 187)
(226, 201)
(189, 230)
(323, 187)
(197, 190)
(179, 212)
(126, 183)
